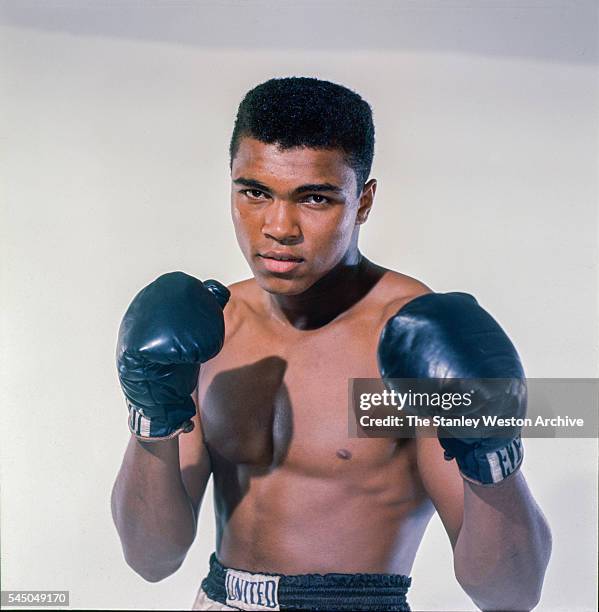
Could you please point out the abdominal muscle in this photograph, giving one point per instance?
(354, 520)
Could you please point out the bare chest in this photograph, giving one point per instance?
(267, 400)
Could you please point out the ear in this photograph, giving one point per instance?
(366, 201)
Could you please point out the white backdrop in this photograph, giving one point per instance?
(116, 119)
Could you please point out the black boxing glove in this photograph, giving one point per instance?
(451, 340)
(170, 328)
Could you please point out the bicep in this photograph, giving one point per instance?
(194, 461)
(442, 482)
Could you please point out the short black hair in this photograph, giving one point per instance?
(308, 112)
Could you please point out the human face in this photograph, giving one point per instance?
(295, 212)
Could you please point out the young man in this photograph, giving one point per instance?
(307, 516)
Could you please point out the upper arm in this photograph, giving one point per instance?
(440, 478)
(442, 482)
(194, 461)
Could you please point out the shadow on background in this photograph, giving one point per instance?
(547, 30)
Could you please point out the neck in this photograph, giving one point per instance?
(330, 296)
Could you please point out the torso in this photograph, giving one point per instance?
(293, 492)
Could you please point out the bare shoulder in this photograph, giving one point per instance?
(397, 289)
(243, 302)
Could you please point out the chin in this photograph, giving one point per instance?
(277, 285)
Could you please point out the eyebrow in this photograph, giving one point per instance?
(252, 183)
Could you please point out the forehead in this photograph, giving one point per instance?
(261, 161)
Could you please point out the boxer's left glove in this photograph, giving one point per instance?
(449, 338)
(170, 328)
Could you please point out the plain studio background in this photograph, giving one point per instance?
(116, 118)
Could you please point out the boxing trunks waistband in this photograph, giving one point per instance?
(243, 590)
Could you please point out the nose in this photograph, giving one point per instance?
(281, 222)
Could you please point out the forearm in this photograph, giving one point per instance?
(151, 509)
(503, 546)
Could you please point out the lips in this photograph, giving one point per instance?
(279, 261)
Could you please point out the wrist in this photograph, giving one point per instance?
(157, 425)
(490, 461)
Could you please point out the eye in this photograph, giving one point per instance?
(253, 194)
(317, 199)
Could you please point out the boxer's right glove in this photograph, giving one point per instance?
(170, 328)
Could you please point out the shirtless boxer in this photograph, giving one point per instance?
(307, 516)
